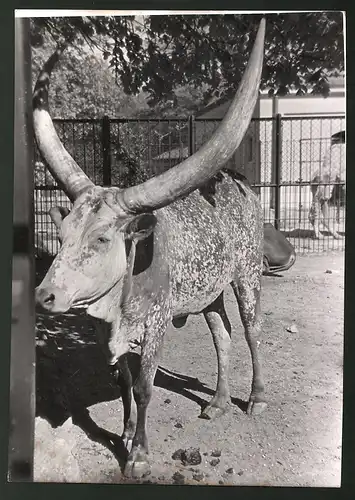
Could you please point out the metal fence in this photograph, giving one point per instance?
(280, 156)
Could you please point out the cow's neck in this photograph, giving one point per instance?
(125, 308)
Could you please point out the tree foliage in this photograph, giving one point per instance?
(161, 54)
(84, 87)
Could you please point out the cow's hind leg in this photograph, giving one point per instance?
(248, 298)
(220, 327)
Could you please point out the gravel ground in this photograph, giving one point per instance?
(295, 442)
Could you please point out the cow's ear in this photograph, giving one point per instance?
(140, 227)
(57, 214)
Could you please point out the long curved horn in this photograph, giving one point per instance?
(61, 165)
(185, 177)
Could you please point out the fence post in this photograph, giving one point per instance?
(275, 111)
(106, 168)
(191, 135)
(278, 143)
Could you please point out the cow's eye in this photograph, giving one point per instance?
(102, 239)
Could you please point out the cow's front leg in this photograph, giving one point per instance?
(124, 379)
(137, 463)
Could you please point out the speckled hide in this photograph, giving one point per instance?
(198, 248)
(212, 244)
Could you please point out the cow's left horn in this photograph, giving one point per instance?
(213, 155)
(61, 165)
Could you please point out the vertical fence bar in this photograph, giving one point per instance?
(278, 140)
(191, 135)
(106, 141)
(275, 108)
(22, 372)
(257, 155)
(300, 180)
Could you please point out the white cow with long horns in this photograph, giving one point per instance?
(141, 257)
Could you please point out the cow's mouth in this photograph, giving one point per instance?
(85, 303)
(82, 304)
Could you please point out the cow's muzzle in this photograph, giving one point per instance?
(51, 299)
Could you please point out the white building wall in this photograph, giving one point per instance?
(304, 105)
(305, 140)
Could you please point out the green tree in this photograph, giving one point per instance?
(85, 86)
(160, 54)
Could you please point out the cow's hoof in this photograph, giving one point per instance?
(213, 412)
(137, 465)
(256, 407)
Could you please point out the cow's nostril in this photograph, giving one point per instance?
(49, 299)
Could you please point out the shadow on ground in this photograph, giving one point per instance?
(72, 373)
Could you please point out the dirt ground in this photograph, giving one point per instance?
(295, 442)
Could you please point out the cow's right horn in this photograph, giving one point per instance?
(61, 165)
(193, 172)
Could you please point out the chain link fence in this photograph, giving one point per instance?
(312, 169)
(281, 157)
